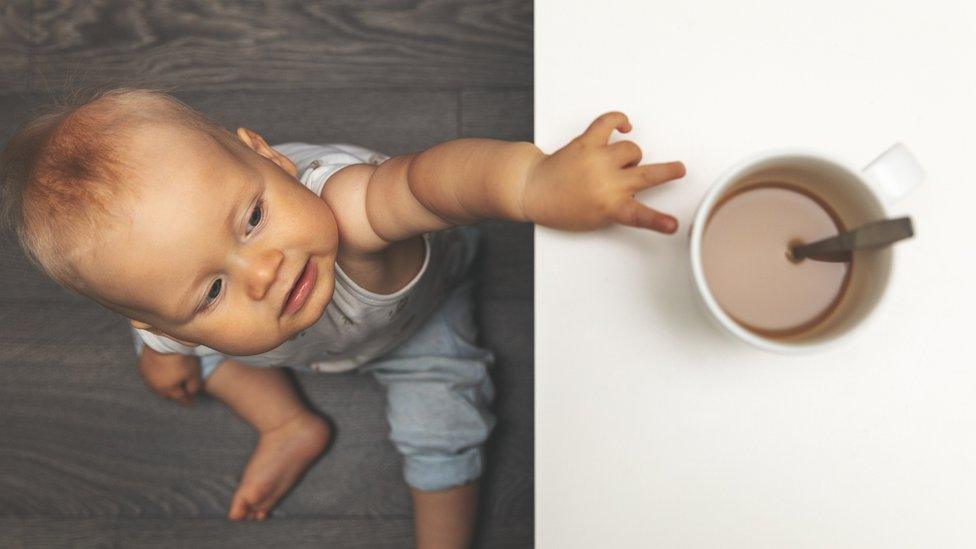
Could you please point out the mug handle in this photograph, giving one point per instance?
(894, 173)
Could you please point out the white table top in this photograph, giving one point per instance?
(656, 430)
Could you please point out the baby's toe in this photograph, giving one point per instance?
(239, 508)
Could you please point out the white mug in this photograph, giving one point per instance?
(857, 195)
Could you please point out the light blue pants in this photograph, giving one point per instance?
(438, 396)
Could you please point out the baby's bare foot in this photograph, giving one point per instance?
(281, 456)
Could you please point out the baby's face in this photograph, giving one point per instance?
(216, 242)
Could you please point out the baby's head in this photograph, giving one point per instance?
(154, 211)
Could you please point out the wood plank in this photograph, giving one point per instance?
(377, 532)
(504, 264)
(498, 114)
(21, 282)
(392, 122)
(14, 47)
(507, 329)
(15, 105)
(283, 46)
(353, 532)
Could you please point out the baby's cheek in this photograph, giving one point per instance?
(252, 341)
(328, 228)
(232, 338)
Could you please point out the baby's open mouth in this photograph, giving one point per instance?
(300, 291)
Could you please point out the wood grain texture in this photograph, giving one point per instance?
(317, 532)
(392, 122)
(282, 45)
(500, 114)
(14, 45)
(505, 263)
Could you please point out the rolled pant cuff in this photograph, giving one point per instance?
(437, 472)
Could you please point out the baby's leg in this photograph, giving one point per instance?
(438, 396)
(445, 518)
(290, 435)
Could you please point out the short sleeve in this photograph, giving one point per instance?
(317, 163)
(209, 359)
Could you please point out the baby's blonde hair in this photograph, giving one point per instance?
(63, 171)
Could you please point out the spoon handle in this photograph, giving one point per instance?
(870, 235)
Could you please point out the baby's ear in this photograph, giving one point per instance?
(255, 141)
(139, 325)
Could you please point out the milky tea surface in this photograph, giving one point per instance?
(747, 266)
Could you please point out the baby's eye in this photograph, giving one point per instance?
(214, 293)
(255, 218)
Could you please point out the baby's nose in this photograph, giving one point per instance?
(260, 271)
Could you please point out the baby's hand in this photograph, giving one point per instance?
(588, 184)
(171, 375)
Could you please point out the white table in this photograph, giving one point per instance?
(656, 430)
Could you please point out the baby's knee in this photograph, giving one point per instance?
(441, 432)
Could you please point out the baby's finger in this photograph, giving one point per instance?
(626, 153)
(654, 174)
(192, 386)
(599, 131)
(179, 394)
(635, 214)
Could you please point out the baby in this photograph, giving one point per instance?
(232, 258)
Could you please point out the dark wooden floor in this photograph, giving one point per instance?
(88, 457)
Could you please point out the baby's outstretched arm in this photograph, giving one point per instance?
(585, 185)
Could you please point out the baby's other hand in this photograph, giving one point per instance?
(172, 376)
(588, 184)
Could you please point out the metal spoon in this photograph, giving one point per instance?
(837, 249)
